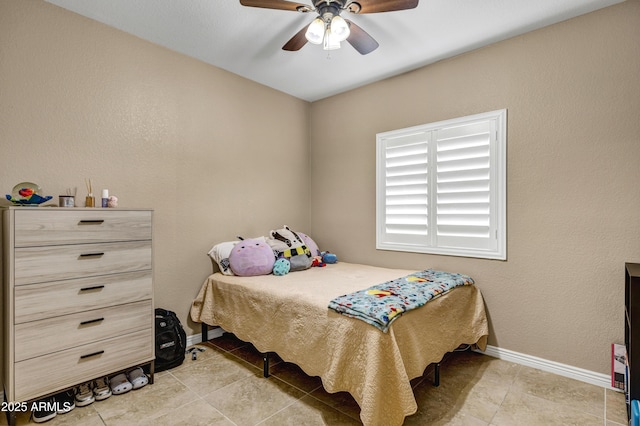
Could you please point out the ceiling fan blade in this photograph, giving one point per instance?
(297, 41)
(277, 4)
(375, 6)
(360, 40)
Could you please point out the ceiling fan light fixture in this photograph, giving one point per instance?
(331, 42)
(339, 28)
(315, 32)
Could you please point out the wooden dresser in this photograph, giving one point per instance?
(78, 296)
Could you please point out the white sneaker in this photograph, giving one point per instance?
(101, 389)
(137, 378)
(120, 384)
(84, 395)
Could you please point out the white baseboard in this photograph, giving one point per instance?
(197, 338)
(598, 379)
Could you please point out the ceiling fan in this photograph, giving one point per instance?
(329, 28)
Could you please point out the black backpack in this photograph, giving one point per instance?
(171, 340)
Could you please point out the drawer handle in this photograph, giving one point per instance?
(91, 222)
(92, 321)
(91, 354)
(91, 255)
(95, 287)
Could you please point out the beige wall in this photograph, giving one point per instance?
(572, 91)
(79, 99)
(201, 146)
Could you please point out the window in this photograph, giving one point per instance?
(441, 187)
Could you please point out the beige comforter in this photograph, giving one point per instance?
(289, 315)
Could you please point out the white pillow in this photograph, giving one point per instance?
(220, 254)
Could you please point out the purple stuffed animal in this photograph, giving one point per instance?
(251, 257)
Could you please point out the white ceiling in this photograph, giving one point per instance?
(247, 41)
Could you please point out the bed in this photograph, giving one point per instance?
(289, 315)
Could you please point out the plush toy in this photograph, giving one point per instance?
(251, 257)
(287, 244)
(281, 267)
(221, 251)
(311, 245)
(329, 257)
(317, 261)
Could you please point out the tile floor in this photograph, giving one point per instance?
(225, 387)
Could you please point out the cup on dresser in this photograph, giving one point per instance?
(66, 201)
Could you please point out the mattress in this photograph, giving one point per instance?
(289, 315)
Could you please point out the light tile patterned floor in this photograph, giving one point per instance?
(225, 387)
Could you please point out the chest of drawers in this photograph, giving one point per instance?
(78, 296)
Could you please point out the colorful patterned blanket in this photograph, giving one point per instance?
(381, 304)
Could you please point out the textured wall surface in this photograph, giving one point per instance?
(573, 99)
(206, 149)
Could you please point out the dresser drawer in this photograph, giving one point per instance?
(38, 227)
(50, 335)
(40, 264)
(53, 299)
(49, 373)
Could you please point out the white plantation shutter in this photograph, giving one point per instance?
(406, 179)
(463, 186)
(441, 187)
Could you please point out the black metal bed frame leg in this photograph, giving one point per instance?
(436, 375)
(205, 332)
(265, 366)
